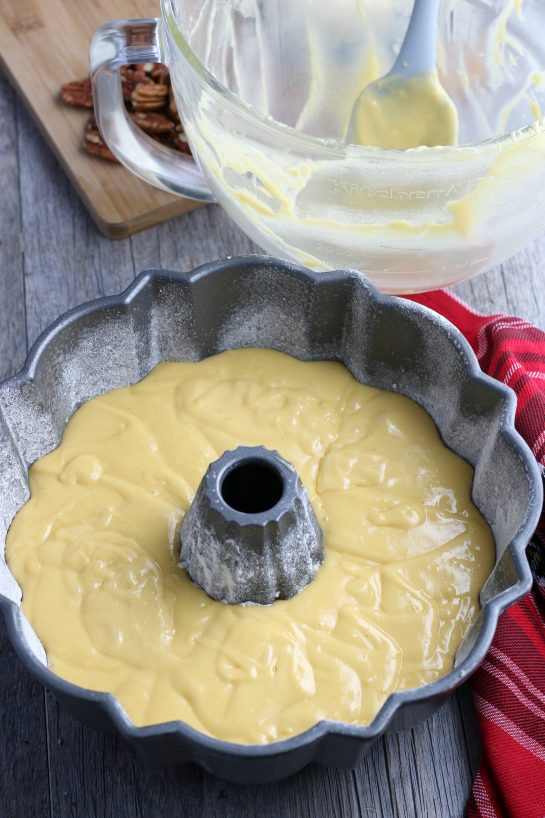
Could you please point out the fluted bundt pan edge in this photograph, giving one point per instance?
(261, 301)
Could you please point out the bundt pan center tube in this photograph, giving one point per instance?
(250, 534)
(259, 301)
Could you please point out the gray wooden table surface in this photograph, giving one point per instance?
(51, 258)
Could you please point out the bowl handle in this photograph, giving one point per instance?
(116, 44)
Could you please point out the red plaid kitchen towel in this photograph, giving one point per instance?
(509, 687)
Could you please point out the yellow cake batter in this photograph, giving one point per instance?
(399, 112)
(96, 549)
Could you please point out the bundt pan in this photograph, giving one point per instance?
(258, 301)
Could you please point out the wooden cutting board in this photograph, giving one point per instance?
(45, 43)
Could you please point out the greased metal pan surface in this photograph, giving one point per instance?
(260, 301)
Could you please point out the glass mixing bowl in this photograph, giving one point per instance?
(265, 88)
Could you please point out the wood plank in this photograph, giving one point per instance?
(66, 260)
(186, 243)
(516, 287)
(23, 745)
(414, 773)
(23, 748)
(468, 720)
(84, 783)
(45, 44)
(12, 304)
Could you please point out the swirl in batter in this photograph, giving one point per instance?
(96, 550)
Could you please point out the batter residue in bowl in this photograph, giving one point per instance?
(96, 549)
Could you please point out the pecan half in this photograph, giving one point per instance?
(78, 93)
(177, 140)
(172, 109)
(149, 101)
(180, 143)
(91, 124)
(94, 144)
(149, 97)
(130, 78)
(153, 123)
(159, 73)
